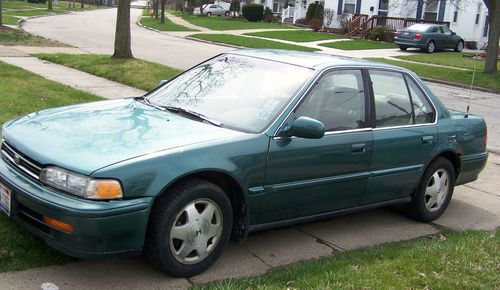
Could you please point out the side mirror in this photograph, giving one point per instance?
(305, 127)
(162, 82)
(453, 33)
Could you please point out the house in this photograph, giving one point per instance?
(468, 18)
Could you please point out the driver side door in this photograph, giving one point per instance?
(305, 177)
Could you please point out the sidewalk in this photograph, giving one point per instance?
(68, 76)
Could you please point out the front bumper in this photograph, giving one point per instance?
(410, 42)
(113, 228)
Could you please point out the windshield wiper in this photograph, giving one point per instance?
(182, 111)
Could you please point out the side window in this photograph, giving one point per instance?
(422, 109)
(337, 100)
(392, 102)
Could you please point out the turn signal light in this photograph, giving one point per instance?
(418, 36)
(57, 224)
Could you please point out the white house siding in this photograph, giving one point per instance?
(465, 25)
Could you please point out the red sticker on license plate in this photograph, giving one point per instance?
(5, 199)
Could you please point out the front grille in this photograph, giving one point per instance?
(21, 161)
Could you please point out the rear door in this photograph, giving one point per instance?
(405, 135)
(312, 176)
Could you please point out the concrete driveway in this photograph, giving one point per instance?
(474, 206)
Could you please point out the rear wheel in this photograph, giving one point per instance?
(403, 47)
(460, 46)
(189, 228)
(434, 191)
(227, 13)
(431, 47)
(209, 14)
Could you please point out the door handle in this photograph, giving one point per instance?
(427, 139)
(358, 148)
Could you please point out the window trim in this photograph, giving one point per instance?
(315, 83)
(419, 87)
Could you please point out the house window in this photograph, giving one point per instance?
(383, 5)
(431, 10)
(276, 7)
(486, 25)
(349, 6)
(455, 16)
(479, 6)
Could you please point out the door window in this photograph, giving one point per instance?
(392, 101)
(422, 108)
(337, 100)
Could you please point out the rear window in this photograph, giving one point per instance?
(419, 27)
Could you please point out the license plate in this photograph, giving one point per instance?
(406, 33)
(5, 199)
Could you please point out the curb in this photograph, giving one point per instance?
(214, 43)
(481, 89)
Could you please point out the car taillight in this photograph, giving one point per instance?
(418, 36)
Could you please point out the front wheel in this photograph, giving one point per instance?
(459, 47)
(209, 14)
(434, 191)
(189, 228)
(227, 13)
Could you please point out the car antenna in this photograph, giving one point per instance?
(471, 84)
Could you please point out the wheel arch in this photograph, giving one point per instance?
(451, 156)
(230, 185)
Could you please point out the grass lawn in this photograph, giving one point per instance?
(22, 92)
(448, 74)
(23, 8)
(296, 35)
(167, 26)
(138, 73)
(250, 42)
(10, 36)
(10, 20)
(454, 59)
(461, 260)
(359, 44)
(228, 23)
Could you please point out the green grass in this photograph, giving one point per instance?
(250, 42)
(22, 92)
(454, 59)
(358, 44)
(167, 26)
(463, 260)
(228, 23)
(138, 73)
(10, 20)
(19, 37)
(296, 35)
(448, 74)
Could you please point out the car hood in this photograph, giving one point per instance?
(87, 137)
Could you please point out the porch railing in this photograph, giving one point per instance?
(297, 14)
(287, 13)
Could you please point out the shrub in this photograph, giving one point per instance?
(268, 15)
(253, 12)
(301, 21)
(314, 11)
(381, 34)
(315, 24)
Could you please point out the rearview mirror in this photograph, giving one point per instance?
(305, 127)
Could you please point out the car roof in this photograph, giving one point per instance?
(311, 60)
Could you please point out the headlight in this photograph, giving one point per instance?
(81, 185)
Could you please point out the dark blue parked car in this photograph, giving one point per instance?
(428, 37)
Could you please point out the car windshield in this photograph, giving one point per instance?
(419, 27)
(239, 92)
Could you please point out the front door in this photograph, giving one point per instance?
(311, 176)
(405, 136)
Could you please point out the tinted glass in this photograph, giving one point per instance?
(243, 93)
(392, 102)
(337, 100)
(424, 113)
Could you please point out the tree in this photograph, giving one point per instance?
(493, 36)
(162, 15)
(50, 5)
(82, 4)
(329, 15)
(122, 34)
(235, 7)
(1, 21)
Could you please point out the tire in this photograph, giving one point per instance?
(459, 47)
(434, 191)
(403, 48)
(227, 13)
(209, 14)
(431, 47)
(189, 226)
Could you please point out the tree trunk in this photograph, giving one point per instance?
(156, 8)
(1, 21)
(493, 36)
(50, 5)
(162, 17)
(122, 35)
(83, 4)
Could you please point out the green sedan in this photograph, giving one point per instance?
(246, 141)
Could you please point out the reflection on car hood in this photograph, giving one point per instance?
(87, 137)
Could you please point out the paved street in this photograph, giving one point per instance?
(474, 206)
